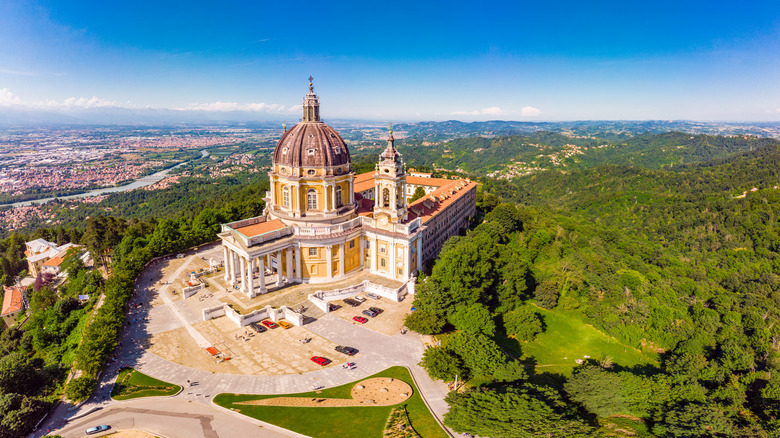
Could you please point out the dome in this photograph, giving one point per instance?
(311, 143)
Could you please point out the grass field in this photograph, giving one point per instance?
(134, 384)
(567, 338)
(338, 422)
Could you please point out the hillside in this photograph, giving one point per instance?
(675, 264)
(508, 157)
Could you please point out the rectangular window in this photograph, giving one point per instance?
(312, 252)
(382, 262)
(400, 271)
(351, 244)
(382, 249)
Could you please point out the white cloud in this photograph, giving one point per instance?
(8, 98)
(83, 102)
(529, 111)
(234, 106)
(490, 111)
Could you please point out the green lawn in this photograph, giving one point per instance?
(340, 422)
(567, 338)
(133, 384)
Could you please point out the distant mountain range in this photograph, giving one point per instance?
(605, 129)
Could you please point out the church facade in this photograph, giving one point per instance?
(322, 223)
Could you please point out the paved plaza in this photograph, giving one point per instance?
(166, 339)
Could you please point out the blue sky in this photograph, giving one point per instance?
(555, 60)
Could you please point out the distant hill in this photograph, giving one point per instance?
(512, 156)
(606, 129)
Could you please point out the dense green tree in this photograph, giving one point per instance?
(80, 388)
(546, 294)
(443, 364)
(523, 323)
(419, 192)
(527, 411)
(507, 216)
(424, 322)
(694, 420)
(475, 318)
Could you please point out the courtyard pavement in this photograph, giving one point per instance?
(378, 351)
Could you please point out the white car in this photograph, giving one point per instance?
(97, 429)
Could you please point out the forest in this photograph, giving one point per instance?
(64, 335)
(677, 265)
(671, 271)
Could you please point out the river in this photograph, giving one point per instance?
(141, 182)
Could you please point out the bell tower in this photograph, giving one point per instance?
(390, 185)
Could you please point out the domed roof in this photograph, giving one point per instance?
(311, 143)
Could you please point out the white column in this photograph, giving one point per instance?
(250, 262)
(392, 260)
(273, 192)
(362, 252)
(298, 257)
(374, 254)
(226, 263)
(288, 252)
(233, 266)
(329, 258)
(419, 252)
(407, 261)
(242, 264)
(341, 259)
(261, 266)
(279, 268)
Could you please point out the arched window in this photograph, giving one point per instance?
(386, 198)
(311, 199)
(339, 201)
(286, 196)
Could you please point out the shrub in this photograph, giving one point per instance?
(80, 388)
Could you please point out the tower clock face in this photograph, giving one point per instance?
(383, 220)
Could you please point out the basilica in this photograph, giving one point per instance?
(323, 223)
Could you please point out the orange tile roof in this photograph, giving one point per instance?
(437, 201)
(365, 181)
(12, 300)
(54, 261)
(261, 228)
(435, 182)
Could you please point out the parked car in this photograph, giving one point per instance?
(97, 429)
(370, 313)
(360, 319)
(351, 302)
(257, 327)
(349, 351)
(284, 324)
(373, 296)
(360, 298)
(319, 360)
(376, 310)
(268, 323)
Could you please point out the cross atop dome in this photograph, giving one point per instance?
(311, 104)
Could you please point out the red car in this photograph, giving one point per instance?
(319, 360)
(360, 319)
(268, 323)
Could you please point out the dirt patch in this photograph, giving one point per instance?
(379, 391)
(132, 434)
